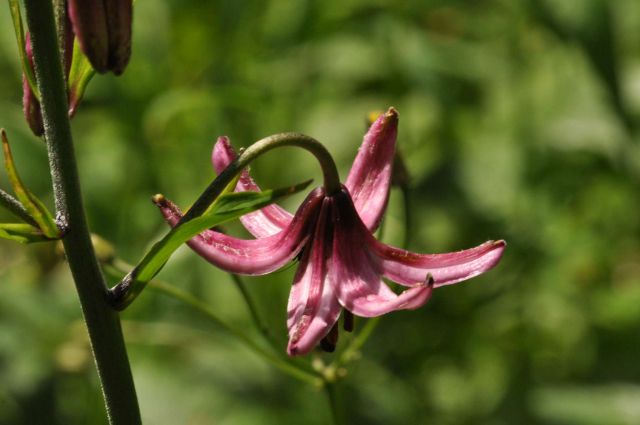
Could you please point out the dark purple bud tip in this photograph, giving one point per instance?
(103, 29)
(89, 23)
(119, 16)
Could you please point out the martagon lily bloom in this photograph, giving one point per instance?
(341, 263)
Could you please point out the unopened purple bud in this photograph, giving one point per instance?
(119, 16)
(90, 26)
(103, 28)
(30, 105)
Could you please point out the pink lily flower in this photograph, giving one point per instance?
(341, 263)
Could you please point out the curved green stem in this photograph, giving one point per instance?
(103, 323)
(329, 169)
(128, 289)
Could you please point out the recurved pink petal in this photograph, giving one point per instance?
(253, 256)
(313, 308)
(264, 222)
(408, 268)
(355, 273)
(370, 175)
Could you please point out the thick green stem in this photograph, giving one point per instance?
(102, 321)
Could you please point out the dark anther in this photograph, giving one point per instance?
(329, 342)
(347, 324)
(430, 281)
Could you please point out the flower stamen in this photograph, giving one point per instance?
(329, 342)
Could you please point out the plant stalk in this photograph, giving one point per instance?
(103, 323)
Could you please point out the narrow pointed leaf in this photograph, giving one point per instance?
(236, 204)
(228, 190)
(21, 232)
(34, 207)
(80, 74)
(227, 207)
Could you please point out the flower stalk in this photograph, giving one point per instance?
(128, 289)
(329, 170)
(103, 323)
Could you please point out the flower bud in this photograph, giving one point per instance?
(30, 105)
(119, 16)
(90, 26)
(103, 28)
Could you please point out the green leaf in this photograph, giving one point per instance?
(14, 6)
(31, 203)
(227, 207)
(21, 232)
(80, 74)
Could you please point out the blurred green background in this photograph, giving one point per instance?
(518, 120)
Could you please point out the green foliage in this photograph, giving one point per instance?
(515, 122)
(228, 206)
